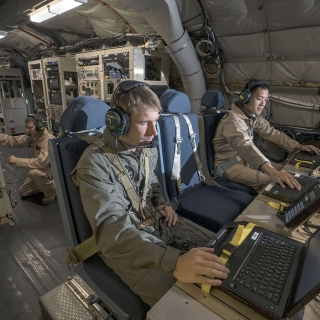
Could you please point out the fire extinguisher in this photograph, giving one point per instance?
(12, 126)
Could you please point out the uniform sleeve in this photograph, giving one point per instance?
(14, 141)
(269, 133)
(234, 131)
(41, 161)
(116, 236)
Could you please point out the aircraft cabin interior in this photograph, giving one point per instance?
(160, 159)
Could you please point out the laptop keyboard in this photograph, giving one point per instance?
(266, 271)
(290, 195)
(293, 211)
(306, 183)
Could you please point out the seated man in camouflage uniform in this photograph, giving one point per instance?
(146, 243)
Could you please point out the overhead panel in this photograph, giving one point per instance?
(244, 70)
(15, 12)
(288, 14)
(235, 17)
(298, 43)
(296, 72)
(244, 46)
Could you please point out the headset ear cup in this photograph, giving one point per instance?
(117, 121)
(126, 122)
(245, 96)
(40, 126)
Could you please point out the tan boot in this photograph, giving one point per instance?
(49, 198)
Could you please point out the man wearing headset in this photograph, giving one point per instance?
(236, 156)
(143, 246)
(39, 170)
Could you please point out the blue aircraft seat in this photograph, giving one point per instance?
(209, 119)
(64, 153)
(209, 206)
(84, 113)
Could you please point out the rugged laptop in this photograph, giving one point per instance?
(274, 275)
(275, 191)
(302, 209)
(306, 159)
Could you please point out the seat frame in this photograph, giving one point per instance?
(94, 264)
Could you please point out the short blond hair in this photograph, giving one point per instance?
(141, 98)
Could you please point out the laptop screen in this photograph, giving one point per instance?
(309, 282)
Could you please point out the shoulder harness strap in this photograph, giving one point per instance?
(192, 136)
(87, 248)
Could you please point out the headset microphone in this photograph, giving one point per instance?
(152, 144)
(242, 108)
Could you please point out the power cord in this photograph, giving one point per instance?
(176, 241)
(12, 201)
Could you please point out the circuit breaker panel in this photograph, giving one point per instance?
(100, 72)
(13, 107)
(61, 87)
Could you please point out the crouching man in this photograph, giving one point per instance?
(39, 170)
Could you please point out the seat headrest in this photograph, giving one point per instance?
(84, 113)
(173, 101)
(212, 99)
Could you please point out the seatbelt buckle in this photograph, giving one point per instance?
(72, 258)
(193, 140)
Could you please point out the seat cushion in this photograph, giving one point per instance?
(71, 149)
(211, 121)
(84, 113)
(212, 99)
(211, 206)
(235, 186)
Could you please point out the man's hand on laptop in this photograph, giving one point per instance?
(308, 148)
(200, 265)
(286, 180)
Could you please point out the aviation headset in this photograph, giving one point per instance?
(39, 124)
(246, 94)
(117, 120)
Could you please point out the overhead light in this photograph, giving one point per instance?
(3, 34)
(54, 8)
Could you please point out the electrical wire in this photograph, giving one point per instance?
(176, 241)
(192, 18)
(208, 50)
(12, 201)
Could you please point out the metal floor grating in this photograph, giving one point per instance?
(32, 251)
